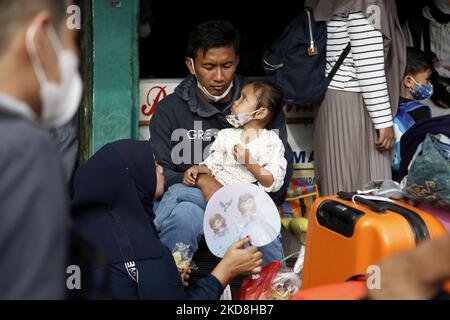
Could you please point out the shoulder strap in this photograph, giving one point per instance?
(344, 55)
(426, 35)
(415, 26)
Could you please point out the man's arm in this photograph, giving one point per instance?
(415, 274)
(66, 138)
(161, 128)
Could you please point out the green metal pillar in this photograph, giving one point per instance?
(109, 48)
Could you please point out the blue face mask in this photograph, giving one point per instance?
(422, 91)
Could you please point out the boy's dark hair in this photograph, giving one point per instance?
(417, 61)
(212, 34)
(269, 96)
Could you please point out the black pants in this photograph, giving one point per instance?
(158, 278)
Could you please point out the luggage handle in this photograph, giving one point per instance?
(373, 205)
(417, 224)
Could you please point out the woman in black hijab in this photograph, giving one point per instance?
(113, 209)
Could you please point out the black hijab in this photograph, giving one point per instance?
(113, 201)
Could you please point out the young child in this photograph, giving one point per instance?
(416, 88)
(246, 153)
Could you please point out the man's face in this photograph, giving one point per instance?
(214, 68)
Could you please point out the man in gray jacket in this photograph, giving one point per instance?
(40, 88)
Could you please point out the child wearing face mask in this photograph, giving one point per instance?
(416, 88)
(246, 153)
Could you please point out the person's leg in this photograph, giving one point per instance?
(183, 225)
(273, 251)
(172, 197)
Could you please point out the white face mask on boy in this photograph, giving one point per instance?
(59, 102)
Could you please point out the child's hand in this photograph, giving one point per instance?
(190, 176)
(241, 154)
(185, 276)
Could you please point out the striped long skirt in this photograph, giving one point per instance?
(344, 144)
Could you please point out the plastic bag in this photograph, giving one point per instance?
(384, 188)
(182, 254)
(273, 283)
(284, 286)
(428, 178)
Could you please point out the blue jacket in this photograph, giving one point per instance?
(183, 120)
(403, 121)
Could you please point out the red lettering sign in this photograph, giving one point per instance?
(158, 93)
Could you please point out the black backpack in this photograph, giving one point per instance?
(296, 61)
(419, 27)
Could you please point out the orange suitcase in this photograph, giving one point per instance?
(344, 238)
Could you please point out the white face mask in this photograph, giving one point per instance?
(59, 102)
(206, 92)
(145, 30)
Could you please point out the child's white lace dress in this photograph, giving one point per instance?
(267, 150)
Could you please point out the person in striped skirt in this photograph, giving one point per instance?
(354, 124)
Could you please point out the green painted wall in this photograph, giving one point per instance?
(111, 73)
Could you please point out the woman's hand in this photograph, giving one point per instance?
(190, 176)
(185, 276)
(238, 261)
(386, 138)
